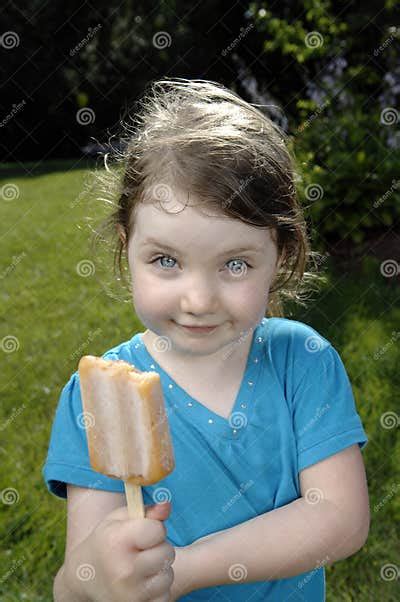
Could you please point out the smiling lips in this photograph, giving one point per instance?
(198, 329)
(190, 326)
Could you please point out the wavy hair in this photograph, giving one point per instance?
(200, 136)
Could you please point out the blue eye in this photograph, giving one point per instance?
(237, 270)
(162, 257)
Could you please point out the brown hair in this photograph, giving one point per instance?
(199, 136)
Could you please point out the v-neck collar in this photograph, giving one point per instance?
(232, 427)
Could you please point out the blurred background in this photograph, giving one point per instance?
(329, 74)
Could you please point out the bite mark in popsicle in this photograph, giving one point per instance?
(130, 438)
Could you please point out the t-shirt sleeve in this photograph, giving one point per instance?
(325, 416)
(68, 455)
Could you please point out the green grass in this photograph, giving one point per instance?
(53, 312)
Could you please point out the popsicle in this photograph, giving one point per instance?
(126, 425)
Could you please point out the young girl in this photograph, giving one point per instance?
(269, 484)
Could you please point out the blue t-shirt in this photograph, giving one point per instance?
(295, 407)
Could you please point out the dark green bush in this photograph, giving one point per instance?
(342, 69)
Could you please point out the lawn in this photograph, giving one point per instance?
(53, 312)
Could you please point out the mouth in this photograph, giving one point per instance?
(197, 329)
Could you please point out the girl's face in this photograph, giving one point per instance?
(192, 269)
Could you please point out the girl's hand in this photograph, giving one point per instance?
(129, 559)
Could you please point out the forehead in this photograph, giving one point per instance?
(189, 226)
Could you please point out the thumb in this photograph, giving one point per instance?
(158, 511)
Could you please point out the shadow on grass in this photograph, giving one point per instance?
(39, 168)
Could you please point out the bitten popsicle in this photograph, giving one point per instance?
(126, 425)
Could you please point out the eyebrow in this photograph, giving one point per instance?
(156, 243)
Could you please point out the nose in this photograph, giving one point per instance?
(199, 296)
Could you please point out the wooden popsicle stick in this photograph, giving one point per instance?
(134, 498)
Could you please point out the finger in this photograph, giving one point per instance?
(143, 534)
(134, 534)
(155, 560)
(159, 584)
(159, 511)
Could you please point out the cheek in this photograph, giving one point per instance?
(150, 296)
(252, 297)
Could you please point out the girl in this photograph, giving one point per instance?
(269, 483)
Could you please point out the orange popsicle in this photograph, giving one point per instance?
(126, 425)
